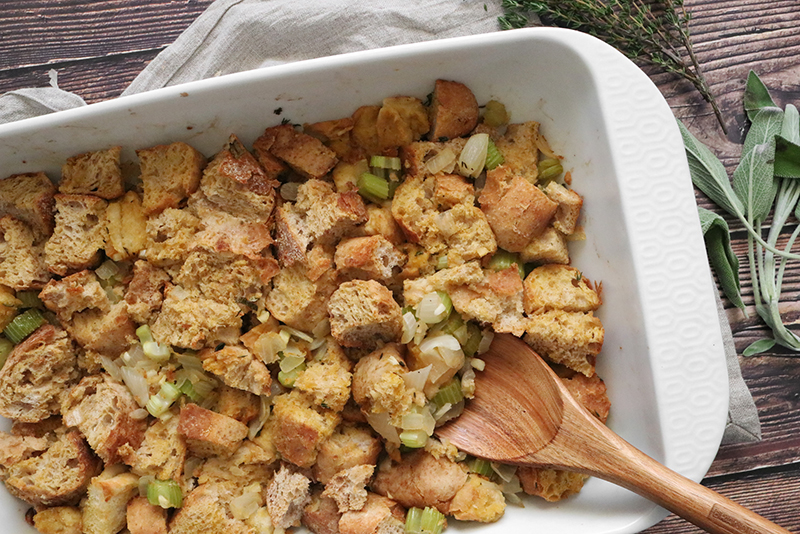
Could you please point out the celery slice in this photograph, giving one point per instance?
(450, 393)
(24, 325)
(481, 467)
(6, 347)
(470, 348)
(165, 493)
(385, 162)
(502, 260)
(493, 156)
(549, 169)
(29, 299)
(432, 521)
(144, 334)
(414, 439)
(373, 187)
(287, 379)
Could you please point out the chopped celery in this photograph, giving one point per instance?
(287, 379)
(156, 352)
(30, 299)
(450, 393)
(24, 325)
(481, 467)
(549, 169)
(159, 403)
(144, 334)
(373, 187)
(502, 260)
(385, 162)
(414, 439)
(453, 323)
(413, 520)
(495, 114)
(432, 521)
(470, 348)
(187, 388)
(446, 302)
(493, 156)
(441, 262)
(107, 270)
(5, 349)
(164, 493)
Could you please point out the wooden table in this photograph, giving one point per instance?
(98, 47)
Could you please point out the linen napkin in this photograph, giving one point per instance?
(236, 35)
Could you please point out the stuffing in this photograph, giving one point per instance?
(126, 228)
(305, 154)
(401, 121)
(348, 487)
(381, 222)
(73, 294)
(169, 174)
(9, 305)
(59, 520)
(426, 158)
(105, 507)
(15, 448)
(467, 233)
(209, 433)
(29, 198)
(350, 446)
(102, 409)
(520, 149)
(363, 314)
(238, 368)
(569, 203)
(414, 210)
(249, 465)
(478, 500)
(38, 375)
(59, 476)
(327, 378)
(221, 277)
(141, 517)
(364, 134)
(237, 403)
(162, 451)
(170, 237)
(145, 292)
(550, 484)
(451, 190)
(287, 495)
(335, 134)
(573, 339)
(380, 515)
(516, 209)
(559, 287)
(368, 258)
(297, 301)
(453, 112)
(93, 173)
(378, 385)
(203, 512)
(300, 427)
(79, 235)
(22, 262)
(109, 332)
(548, 247)
(321, 515)
(589, 391)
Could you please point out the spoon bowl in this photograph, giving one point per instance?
(522, 414)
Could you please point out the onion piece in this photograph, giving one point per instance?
(473, 155)
(504, 471)
(245, 505)
(297, 333)
(417, 379)
(137, 384)
(444, 161)
(380, 424)
(486, 340)
(291, 362)
(432, 308)
(409, 327)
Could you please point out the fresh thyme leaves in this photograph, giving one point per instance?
(654, 32)
(765, 182)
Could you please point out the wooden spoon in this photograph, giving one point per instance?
(523, 415)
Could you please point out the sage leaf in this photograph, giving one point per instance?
(757, 347)
(709, 175)
(753, 179)
(720, 254)
(756, 96)
(787, 145)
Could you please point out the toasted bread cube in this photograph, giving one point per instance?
(548, 247)
(478, 500)
(327, 380)
(560, 287)
(336, 136)
(590, 392)
(380, 515)
(349, 446)
(73, 294)
(204, 510)
(365, 130)
(381, 222)
(420, 156)
(453, 189)
(106, 504)
(302, 152)
(401, 121)
(171, 237)
(297, 301)
(93, 173)
(145, 292)
(58, 520)
(58, 477)
(169, 173)
(38, 375)
(144, 518)
(415, 212)
(238, 368)
(453, 112)
(222, 276)
(238, 403)
(363, 313)
(348, 487)
(569, 207)
(109, 333)
(30, 198)
(371, 258)
(209, 433)
(287, 495)
(519, 147)
(300, 427)
(444, 280)
(162, 452)
(321, 515)
(378, 385)
(550, 484)
(102, 409)
(515, 208)
(235, 181)
(126, 227)
(22, 262)
(572, 339)
(79, 235)
(466, 231)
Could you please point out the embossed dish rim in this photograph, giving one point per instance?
(663, 356)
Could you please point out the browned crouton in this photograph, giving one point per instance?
(452, 189)
(126, 227)
(570, 338)
(300, 427)
(478, 500)
(369, 258)
(250, 464)
(380, 515)
(105, 507)
(401, 121)
(37, 375)
(58, 520)
(516, 209)
(421, 480)
(378, 385)
(93, 173)
(73, 294)
(569, 207)
(236, 183)
(145, 518)
(381, 222)
(208, 433)
(590, 392)
(335, 134)
(444, 280)
(190, 320)
(15, 448)
(548, 247)
(107, 332)
(427, 158)
(170, 237)
(297, 301)
(302, 152)
(239, 368)
(520, 149)
(102, 409)
(29, 198)
(327, 379)
(467, 233)
(59, 476)
(169, 173)
(204, 511)
(559, 287)
(144, 293)
(79, 235)
(349, 446)
(550, 484)
(321, 515)
(287, 495)
(237, 403)
(453, 111)
(363, 314)
(365, 130)
(348, 487)
(162, 451)
(222, 277)
(22, 262)
(415, 212)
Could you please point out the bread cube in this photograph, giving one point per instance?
(453, 189)
(418, 157)
(58, 520)
(93, 173)
(348, 487)
(560, 287)
(162, 451)
(79, 235)
(572, 339)
(453, 111)
(548, 247)
(401, 121)
(144, 293)
(550, 484)
(238, 368)
(22, 262)
(301, 427)
(370, 258)
(478, 500)
(378, 385)
(349, 446)
(415, 212)
(363, 313)
(297, 301)
(30, 198)
(380, 515)
(465, 229)
(307, 155)
(171, 236)
(569, 207)
(144, 518)
(169, 173)
(209, 433)
(327, 380)
(106, 504)
(287, 495)
(520, 149)
(126, 228)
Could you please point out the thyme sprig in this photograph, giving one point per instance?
(653, 32)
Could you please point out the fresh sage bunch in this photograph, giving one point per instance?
(766, 181)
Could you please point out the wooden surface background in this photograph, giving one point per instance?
(98, 48)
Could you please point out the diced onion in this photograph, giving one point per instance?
(268, 345)
(111, 367)
(106, 270)
(432, 308)
(409, 327)
(380, 424)
(291, 362)
(446, 346)
(477, 364)
(263, 413)
(412, 421)
(137, 384)
(297, 333)
(473, 155)
(322, 329)
(444, 161)
(504, 471)
(245, 505)
(417, 379)
(486, 341)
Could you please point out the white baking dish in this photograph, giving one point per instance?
(663, 358)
